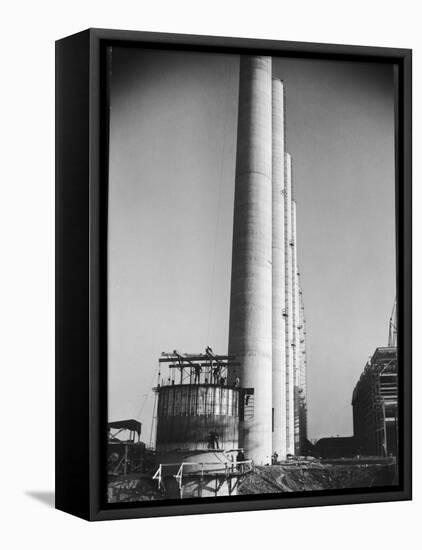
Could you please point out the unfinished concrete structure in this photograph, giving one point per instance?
(194, 402)
(265, 307)
(198, 417)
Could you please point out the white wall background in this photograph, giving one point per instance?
(27, 274)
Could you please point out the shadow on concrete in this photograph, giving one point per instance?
(45, 497)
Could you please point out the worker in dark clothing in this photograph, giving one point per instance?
(216, 374)
(210, 354)
(240, 458)
(237, 382)
(197, 377)
(213, 440)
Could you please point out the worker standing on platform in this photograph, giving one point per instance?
(216, 374)
(210, 354)
(213, 440)
(240, 458)
(197, 377)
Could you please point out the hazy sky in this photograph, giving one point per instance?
(172, 166)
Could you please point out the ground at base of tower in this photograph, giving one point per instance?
(286, 477)
(319, 476)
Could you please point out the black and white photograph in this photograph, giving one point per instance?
(210, 274)
(251, 276)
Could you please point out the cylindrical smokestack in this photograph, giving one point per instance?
(296, 299)
(302, 335)
(250, 302)
(289, 307)
(278, 273)
(296, 331)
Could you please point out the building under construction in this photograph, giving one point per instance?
(375, 400)
(199, 415)
(375, 405)
(196, 409)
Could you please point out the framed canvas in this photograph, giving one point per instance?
(233, 274)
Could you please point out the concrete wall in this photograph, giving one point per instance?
(302, 333)
(278, 272)
(289, 253)
(186, 414)
(265, 306)
(250, 303)
(296, 330)
(303, 411)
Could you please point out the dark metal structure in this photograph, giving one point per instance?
(196, 409)
(335, 447)
(133, 426)
(125, 451)
(375, 405)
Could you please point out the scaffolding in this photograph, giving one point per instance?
(375, 405)
(196, 368)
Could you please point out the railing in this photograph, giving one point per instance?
(230, 468)
(236, 468)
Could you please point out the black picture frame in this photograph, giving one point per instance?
(81, 274)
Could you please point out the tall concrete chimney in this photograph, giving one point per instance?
(296, 330)
(250, 333)
(278, 272)
(290, 333)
